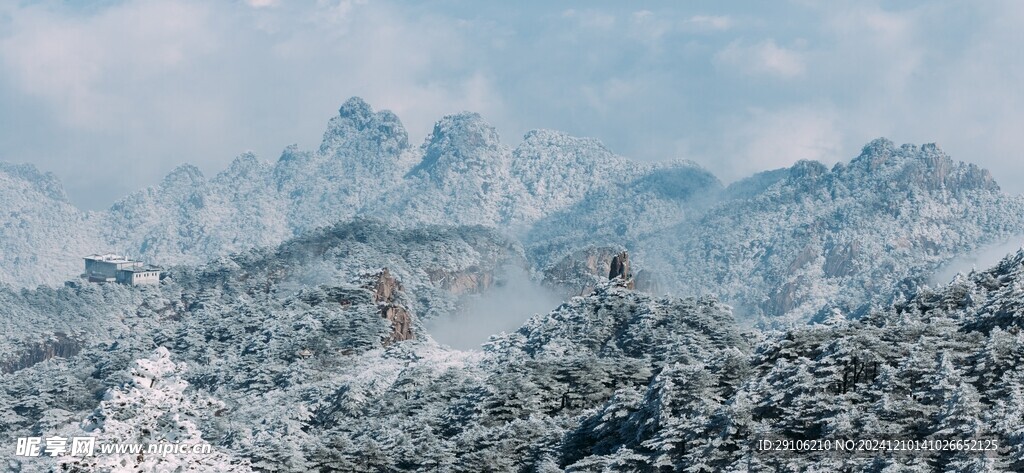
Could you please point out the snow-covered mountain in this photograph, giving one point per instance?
(626, 210)
(39, 228)
(284, 368)
(802, 242)
(365, 166)
(792, 243)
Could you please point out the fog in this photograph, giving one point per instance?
(503, 308)
(981, 259)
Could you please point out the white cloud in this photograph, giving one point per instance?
(763, 58)
(81, 65)
(886, 49)
(336, 11)
(648, 27)
(708, 23)
(262, 3)
(762, 139)
(143, 85)
(595, 19)
(419, 66)
(604, 97)
(980, 259)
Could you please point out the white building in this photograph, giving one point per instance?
(110, 267)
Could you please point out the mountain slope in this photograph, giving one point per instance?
(364, 166)
(842, 238)
(625, 210)
(787, 245)
(39, 228)
(793, 244)
(615, 380)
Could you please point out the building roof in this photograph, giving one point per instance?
(110, 258)
(139, 269)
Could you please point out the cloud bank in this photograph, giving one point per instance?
(980, 260)
(133, 88)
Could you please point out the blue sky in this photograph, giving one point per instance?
(133, 88)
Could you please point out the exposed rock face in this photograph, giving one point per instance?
(386, 293)
(385, 287)
(648, 281)
(619, 269)
(786, 297)
(60, 345)
(841, 259)
(619, 266)
(580, 272)
(925, 166)
(401, 323)
(472, 280)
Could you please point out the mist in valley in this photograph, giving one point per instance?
(503, 308)
(980, 259)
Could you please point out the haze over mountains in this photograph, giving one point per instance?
(292, 331)
(794, 242)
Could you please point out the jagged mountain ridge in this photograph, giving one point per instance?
(845, 237)
(799, 241)
(39, 228)
(794, 242)
(364, 167)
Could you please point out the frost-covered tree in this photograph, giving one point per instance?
(155, 408)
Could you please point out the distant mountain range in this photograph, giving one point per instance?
(793, 243)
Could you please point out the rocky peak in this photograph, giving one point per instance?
(246, 165)
(356, 110)
(926, 166)
(384, 286)
(386, 291)
(876, 153)
(359, 131)
(183, 176)
(292, 153)
(939, 170)
(46, 183)
(881, 154)
(619, 270)
(458, 144)
(582, 271)
(552, 162)
(805, 169)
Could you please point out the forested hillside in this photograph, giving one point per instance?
(337, 374)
